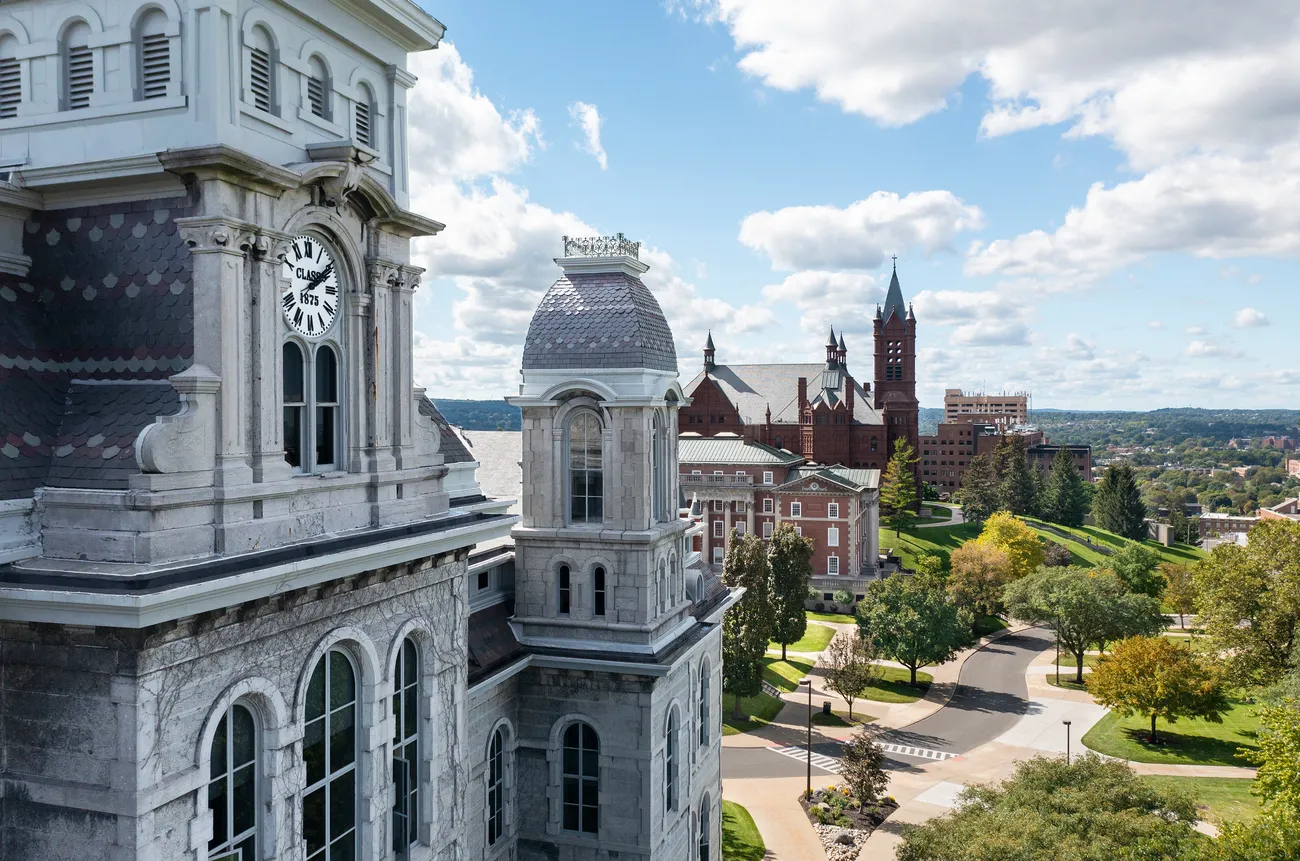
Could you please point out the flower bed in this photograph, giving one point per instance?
(843, 822)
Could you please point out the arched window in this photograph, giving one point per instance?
(662, 583)
(581, 776)
(586, 485)
(153, 67)
(406, 747)
(326, 372)
(704, 703)
(11, 77)
(656, 471)
(566, 589)
(670, 761)
(232, 786)
(496, 787)
(295, 399)
(262, 72)
(320, 89)
(598, 591)
(78, 67)
(364, 116)
(329, 751)
(704, 829)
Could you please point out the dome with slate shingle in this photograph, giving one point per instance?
(599, 315)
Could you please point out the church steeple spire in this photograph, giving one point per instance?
(894, 297)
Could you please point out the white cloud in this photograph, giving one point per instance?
(1249, 318)
(861, 235)
(1155, 324)
(988, 333)
(1194, 330)
(587, 117)
(1077, 348)
(1205, 349)
(845, 300)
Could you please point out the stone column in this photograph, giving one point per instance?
(221, 329)
(267, 284)
(406, 281)
(376, 346)
(705, 552)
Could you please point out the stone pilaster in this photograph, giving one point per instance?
(265, 393)
(403, 298)
(382, 350)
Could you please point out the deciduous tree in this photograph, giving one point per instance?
(789, 555)
(1249, 600)
(849, 667)
(1117, 505)
(1056, 555)
(910, 620)
(979, 489)
(1138, 568)
(898, 494)
(979, 571)
(1064, 497)
(862, 765)
(1278, 758)
(1157, 678)
(1013, 537)
(1086, 607)
(747, 626)
(1180, 590)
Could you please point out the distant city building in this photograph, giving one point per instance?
(1288, 509)
(1002, 410)
(1280, 443)
(945, 455)
(1293, 467)
(754, 487)
(821, 411)
(1217, 525)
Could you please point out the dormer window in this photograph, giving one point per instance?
(319, 88)
(364, 117)
(261, 71)
(78, 67)
(11, 78)
(153, 52)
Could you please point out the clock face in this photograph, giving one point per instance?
(311, 299)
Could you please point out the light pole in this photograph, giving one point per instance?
(808, 682)
(1057, 631)
(1067, 741)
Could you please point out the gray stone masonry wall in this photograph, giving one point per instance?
(498, 706)
(106, 733)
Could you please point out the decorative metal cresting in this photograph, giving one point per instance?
(617, 245)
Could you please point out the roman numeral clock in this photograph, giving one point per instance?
(311, 300)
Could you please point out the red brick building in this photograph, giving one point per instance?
(945, 455)
(819, 410)
(752, 487)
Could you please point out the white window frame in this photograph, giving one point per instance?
(718, 526)
(833, 566)
(798, 530)
(767, 477)
(833, 537)
(796, 508)
(767, 529)
(718, 555)
(740, 527)
(833, 509)
(768, 506)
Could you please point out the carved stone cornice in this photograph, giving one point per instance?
(408, 278)
(228, 164)
(208, 234)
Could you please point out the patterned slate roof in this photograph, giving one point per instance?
(450, 444)
(753, 388)
(599, 320)
(96, 443)
(727, 450)
(492, 643)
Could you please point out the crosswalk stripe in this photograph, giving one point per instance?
(832, 764)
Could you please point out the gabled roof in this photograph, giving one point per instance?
(732, 450)
(754, 388)
(894, 300)
(855, 479)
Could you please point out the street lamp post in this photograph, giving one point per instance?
(808, 682)
(1067, 741)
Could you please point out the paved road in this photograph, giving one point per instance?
(991, 697)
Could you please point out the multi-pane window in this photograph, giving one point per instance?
(566, 588)
(704, 830)
(833, 537)
(740, 527)
(586, 486)
(232, 787)
(796, 509)
(718, 554)
(670, 761)
(318, 87)
(327, 404)
(598, 591)
(717, 505)
(78, 67)
(833, 509)
(261, 71)
(329, 750)
(832, 564)
(656, 471)
(496, 787)
(153, 56)
(704, 703)
(767, 505)
(767, 529)
(406, 747)
(718, 526)
(319, 378)
(767, 478)
(581, 779)
(295, 400)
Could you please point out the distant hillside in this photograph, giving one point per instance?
(929, 418)
(479, 415)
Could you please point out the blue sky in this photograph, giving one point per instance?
(1097, 204)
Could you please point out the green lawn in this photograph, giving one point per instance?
(785, 675)
(757, 711)
(840, 717)
(1080, 554)
(893, 687)
(1189, 741)
(740, 838)
(939, 540)
(1067, 682)
(1069, 661)
(842, 618)
(814, 639)
(1181, 554)
(986, 625)
(1226, 799)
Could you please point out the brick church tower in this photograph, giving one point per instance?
(895, 337)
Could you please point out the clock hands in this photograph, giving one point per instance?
(320, 276)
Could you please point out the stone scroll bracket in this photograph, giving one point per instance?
(187, 441)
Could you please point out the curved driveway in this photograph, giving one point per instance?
(991, 697)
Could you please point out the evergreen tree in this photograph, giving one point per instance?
(898, 495)
(790, 558)
(1064, 495)
(1017, 489)
(979, 489)
(748, 625)
(1117, 505)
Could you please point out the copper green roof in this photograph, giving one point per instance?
(733, 451)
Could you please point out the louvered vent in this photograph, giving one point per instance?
(11, 88)
(316, 96)
(260, 75)
(81, 77)
(156, 66)
(364, 134)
